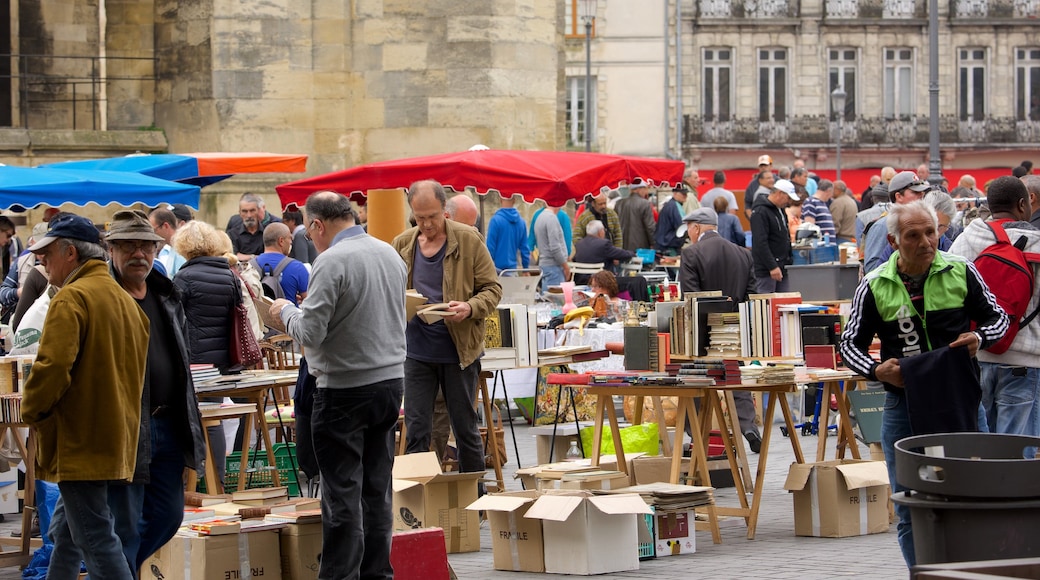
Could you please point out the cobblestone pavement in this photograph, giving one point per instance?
(775, 552)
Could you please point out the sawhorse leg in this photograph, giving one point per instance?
(492, 436)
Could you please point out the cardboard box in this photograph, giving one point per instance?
(585, 534)
(674, 533)
(655, 469)
(426, 498)
(9, 491)
(256, 555)
(301, 551)
(516, 541)
(840, 498)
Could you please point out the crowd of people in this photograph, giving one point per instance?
(132, 308)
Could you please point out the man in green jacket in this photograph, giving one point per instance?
(447, 262)
(83, 396)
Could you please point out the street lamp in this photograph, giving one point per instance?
(588, 16)
(934, 163)
(838, 105)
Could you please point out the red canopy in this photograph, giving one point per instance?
(553, 176)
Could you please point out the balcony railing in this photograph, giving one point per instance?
(888, 9)
(1015, 9)
(65, 92)
(748, 8)
(872, 131)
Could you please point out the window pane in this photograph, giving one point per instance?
(779, 91)
(1034, 93)
(978, 93)
(724, 98)
(723, 55)
(905, 92)
(890, 88)
(709, 93)
(763, 55)
(780, 54)
(834, 55)
(1020, 82)
(963, 96)
(850, 95)
(763, 94)
(850, 55)
(905, 54)
(709, 54)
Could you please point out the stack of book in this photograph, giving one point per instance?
(201, 373)
(766, 375)
(261, 496)
(311, 516)
(670, 496)
(11, 408)
(761, 324)
(724, 334)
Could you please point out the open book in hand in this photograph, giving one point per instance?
(413, 301)
(435, 313)
(263, 307)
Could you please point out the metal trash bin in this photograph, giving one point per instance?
(974, 496)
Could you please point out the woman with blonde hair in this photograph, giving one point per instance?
(209, 292)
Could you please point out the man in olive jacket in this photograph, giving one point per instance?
(83, 395)
(447, 262)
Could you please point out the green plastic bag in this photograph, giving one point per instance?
(641, 438)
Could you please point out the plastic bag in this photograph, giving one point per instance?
(27, 339)
(641, 438)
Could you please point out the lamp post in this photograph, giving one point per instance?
(934, 162)
(588, 16)
(838, 105)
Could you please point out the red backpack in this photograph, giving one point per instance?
(1008, 271)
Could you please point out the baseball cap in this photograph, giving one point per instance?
(703, 215)
(69, 226)
(786, 187)
(765, 160)
(907, 180)
(132, 225)
(182, 212)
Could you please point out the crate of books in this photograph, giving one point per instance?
(260, 474)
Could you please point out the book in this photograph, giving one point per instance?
(228, 508)
(260, 493)
(191, 514)
(263, 307)
(296, 504)
(434, 313)
(194, 498)
(215, 527)
(413, 300)
(297, 517)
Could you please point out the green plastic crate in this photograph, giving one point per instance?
(259, 473)
(648, 551)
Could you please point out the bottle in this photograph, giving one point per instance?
(573, 454)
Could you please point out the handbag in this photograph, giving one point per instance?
(243, 350)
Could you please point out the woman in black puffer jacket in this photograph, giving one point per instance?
(210, 292)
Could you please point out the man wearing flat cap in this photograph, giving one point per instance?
(711, 262)
(666, 240)
(83, 397)
(148, 513)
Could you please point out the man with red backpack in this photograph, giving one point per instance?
(1010, 376)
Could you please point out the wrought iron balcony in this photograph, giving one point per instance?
(1008, 9)
(863, 130)
(724, 9)
(888, 9)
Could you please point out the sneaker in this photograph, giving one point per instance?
(754, 441)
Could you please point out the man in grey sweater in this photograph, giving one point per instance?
(552, 249)
(352, 325)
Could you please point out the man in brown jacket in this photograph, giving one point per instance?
(447, 262)
(83, 396)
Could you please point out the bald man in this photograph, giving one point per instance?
(291, 274)
(460, 208)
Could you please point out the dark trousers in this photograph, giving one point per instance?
(354, 443)
(422, 382)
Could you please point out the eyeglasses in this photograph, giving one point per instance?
(307, 231)
(131, 247)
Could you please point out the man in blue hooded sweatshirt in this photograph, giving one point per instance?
(507, 236)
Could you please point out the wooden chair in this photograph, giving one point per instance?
(280, 355)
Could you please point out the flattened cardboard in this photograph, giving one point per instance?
(424, 497)
(585, 534)
(516, 541)
(840, 498)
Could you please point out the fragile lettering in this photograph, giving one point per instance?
(235, 574)
(512, 536)
(871, 498)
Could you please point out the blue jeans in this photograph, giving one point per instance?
(1009, 399)
(422, 382)
(895, 425)
(551, 276)
(354, 444)
(82, 528)
(148, 515)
